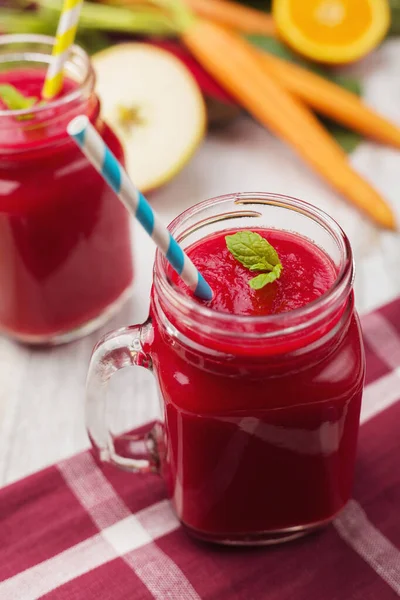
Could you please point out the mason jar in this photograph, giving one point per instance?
(65, 239)
(260, 414)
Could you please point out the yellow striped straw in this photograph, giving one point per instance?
(66, 30)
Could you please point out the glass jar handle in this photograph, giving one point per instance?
(117, 350)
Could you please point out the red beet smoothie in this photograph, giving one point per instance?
(65, 252)
(307, 274)
(269, 443)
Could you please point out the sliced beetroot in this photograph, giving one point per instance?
(207, 84)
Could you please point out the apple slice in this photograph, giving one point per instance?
(154, 106)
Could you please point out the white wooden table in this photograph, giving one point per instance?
(42, 391)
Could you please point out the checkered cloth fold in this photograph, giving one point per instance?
(76, 531)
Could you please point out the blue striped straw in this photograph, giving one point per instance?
(101, 157)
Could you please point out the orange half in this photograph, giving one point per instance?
(332, 31)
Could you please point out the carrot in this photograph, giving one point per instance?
(224, 12)
(234, 15)
(233, 62)
(331, 100)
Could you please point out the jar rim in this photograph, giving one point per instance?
(76, 53)
(290, 321)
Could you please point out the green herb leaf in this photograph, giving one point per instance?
(13, 99)
(261, 280)
(395, 21)
(262, 266)
(348, 139)
(256, 253)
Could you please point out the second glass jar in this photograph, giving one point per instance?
(65, 240)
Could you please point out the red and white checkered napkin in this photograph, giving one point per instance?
(79, 532)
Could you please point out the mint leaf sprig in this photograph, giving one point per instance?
(14, 100)
(256, 254)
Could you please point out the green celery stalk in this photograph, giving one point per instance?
(117, 19)
(14, 21)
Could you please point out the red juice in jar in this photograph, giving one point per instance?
(261, 392)
(65, 248)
